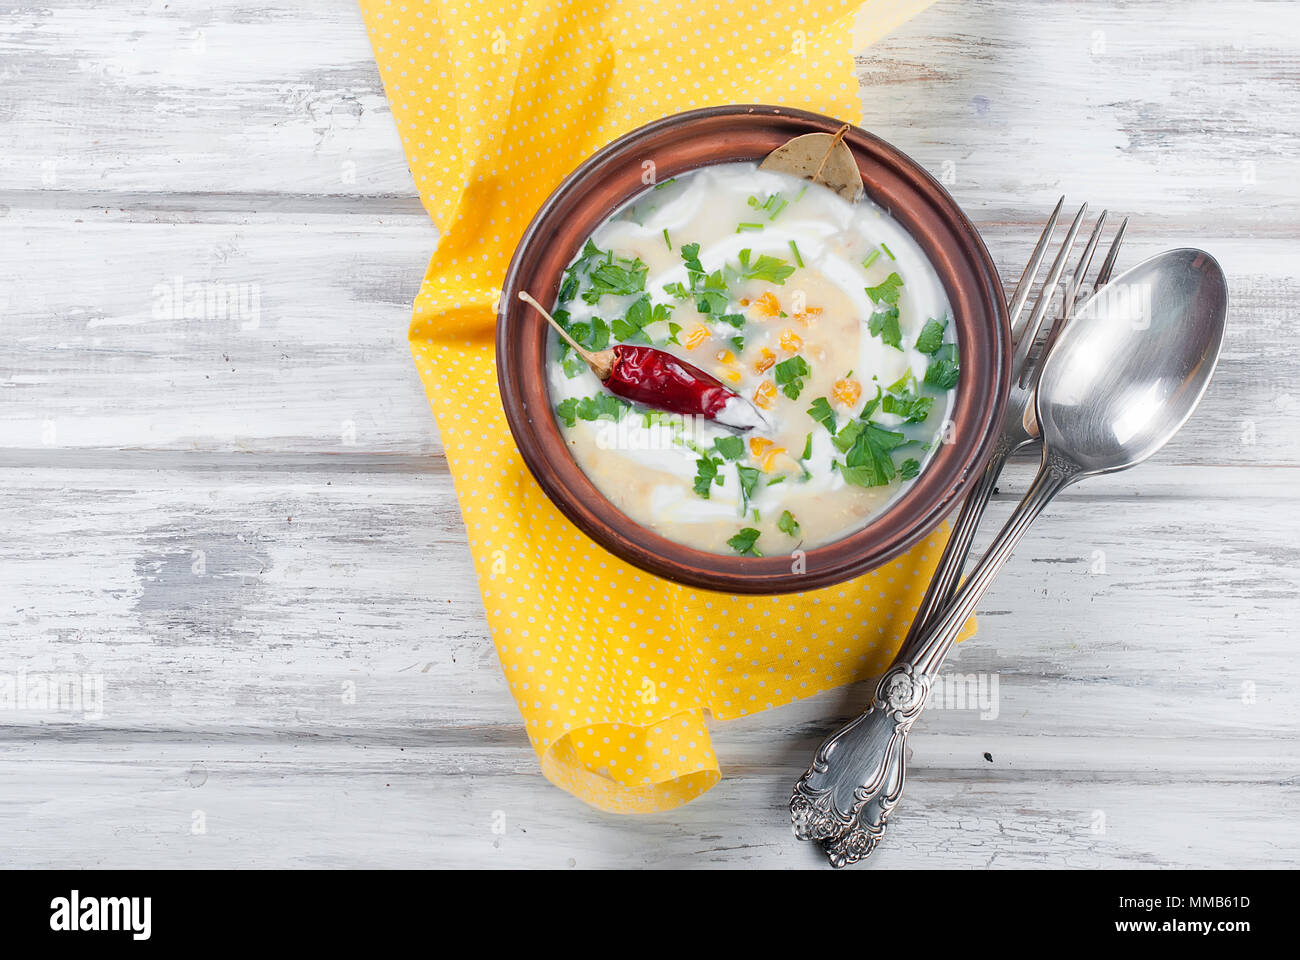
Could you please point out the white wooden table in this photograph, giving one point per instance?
(242, 523)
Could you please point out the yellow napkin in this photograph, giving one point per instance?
(612, 669)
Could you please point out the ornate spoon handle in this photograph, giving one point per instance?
(856, 779)
(947, 573)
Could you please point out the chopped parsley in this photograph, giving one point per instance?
(738, 343)
(766, 267)
(630, 328)
(904, 400)
(884, 323)
(788, 524)
(711, 295)
(909, 468)
(706, 475)
(944, 369)
(744, 542)
(867, 458)
(887, 290)
(931, 336)
(789, 375)
(821, 412)
(733, 448)
(615, 278)
(603, 406)
(709, 290)
(748, 481)
(736, 320)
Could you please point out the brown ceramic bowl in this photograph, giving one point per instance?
(684, 142)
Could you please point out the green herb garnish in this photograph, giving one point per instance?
(931, 336)
(744, 542)
(788, 524)
(789, 375)
(884, 323)
(794, 248)
(867, 461)
(944, 369)
(769, 268)
(615, 278)
(732, 448)
(748, 481)
(887, 290)
(706, 475)
(822, 412)
(909, 468)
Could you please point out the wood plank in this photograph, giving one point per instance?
(94, 360)
(278, 97)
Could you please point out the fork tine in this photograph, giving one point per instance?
(1108, 265)
(1020, 363)
(1070, 296)
(1026, 283)
(1069, 302)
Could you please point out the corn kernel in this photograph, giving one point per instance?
(767, 305)
(847, 392)
(764, 361)
(764, 394)
(808, 315)
(726, 356)
(790, 341)
(695, 338)
(729, 373)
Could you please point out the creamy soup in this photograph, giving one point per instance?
(824, 315)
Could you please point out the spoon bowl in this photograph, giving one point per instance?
(1131, 367)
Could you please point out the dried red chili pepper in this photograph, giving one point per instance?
(658, 379)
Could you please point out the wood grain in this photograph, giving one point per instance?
(246, 530)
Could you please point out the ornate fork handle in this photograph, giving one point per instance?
(845, 798)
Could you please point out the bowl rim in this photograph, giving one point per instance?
(863, 549)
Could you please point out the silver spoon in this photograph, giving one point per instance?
(1120, 381)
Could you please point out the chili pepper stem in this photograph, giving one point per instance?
(835, 142)
(601, 363)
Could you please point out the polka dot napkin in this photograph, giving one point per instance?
(613, 669)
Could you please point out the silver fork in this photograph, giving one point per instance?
(856, 779)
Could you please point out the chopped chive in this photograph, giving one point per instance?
(781, 206)
(794, 248)
(779, 478)
(666, 240)
(885, 247)
(742, 227)
(660, 186)
(871, 258)
(799, 196)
